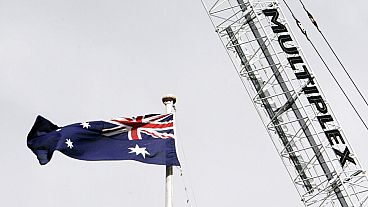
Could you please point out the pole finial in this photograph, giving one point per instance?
(169, 98)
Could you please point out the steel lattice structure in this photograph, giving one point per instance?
(299, 120)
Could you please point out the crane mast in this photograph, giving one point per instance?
(271, 65)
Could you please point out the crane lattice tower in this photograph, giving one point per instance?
(287, 97)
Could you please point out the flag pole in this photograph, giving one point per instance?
(169, 102)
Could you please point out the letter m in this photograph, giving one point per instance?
(275, 15)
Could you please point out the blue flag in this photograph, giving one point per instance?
(147, 139)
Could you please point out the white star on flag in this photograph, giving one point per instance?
(85, 125)
(69, 143)
(137, 150)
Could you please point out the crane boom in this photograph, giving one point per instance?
(286, 95)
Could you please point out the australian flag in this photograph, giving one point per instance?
(147, 139)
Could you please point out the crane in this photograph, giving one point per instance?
(277, 77)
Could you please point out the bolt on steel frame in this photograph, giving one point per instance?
(319, 168)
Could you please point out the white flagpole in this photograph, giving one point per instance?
(169, 101)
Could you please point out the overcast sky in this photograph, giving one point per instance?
(79, 60)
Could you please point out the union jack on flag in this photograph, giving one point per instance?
(143, 127)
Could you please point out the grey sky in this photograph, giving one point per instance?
(76, 60)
